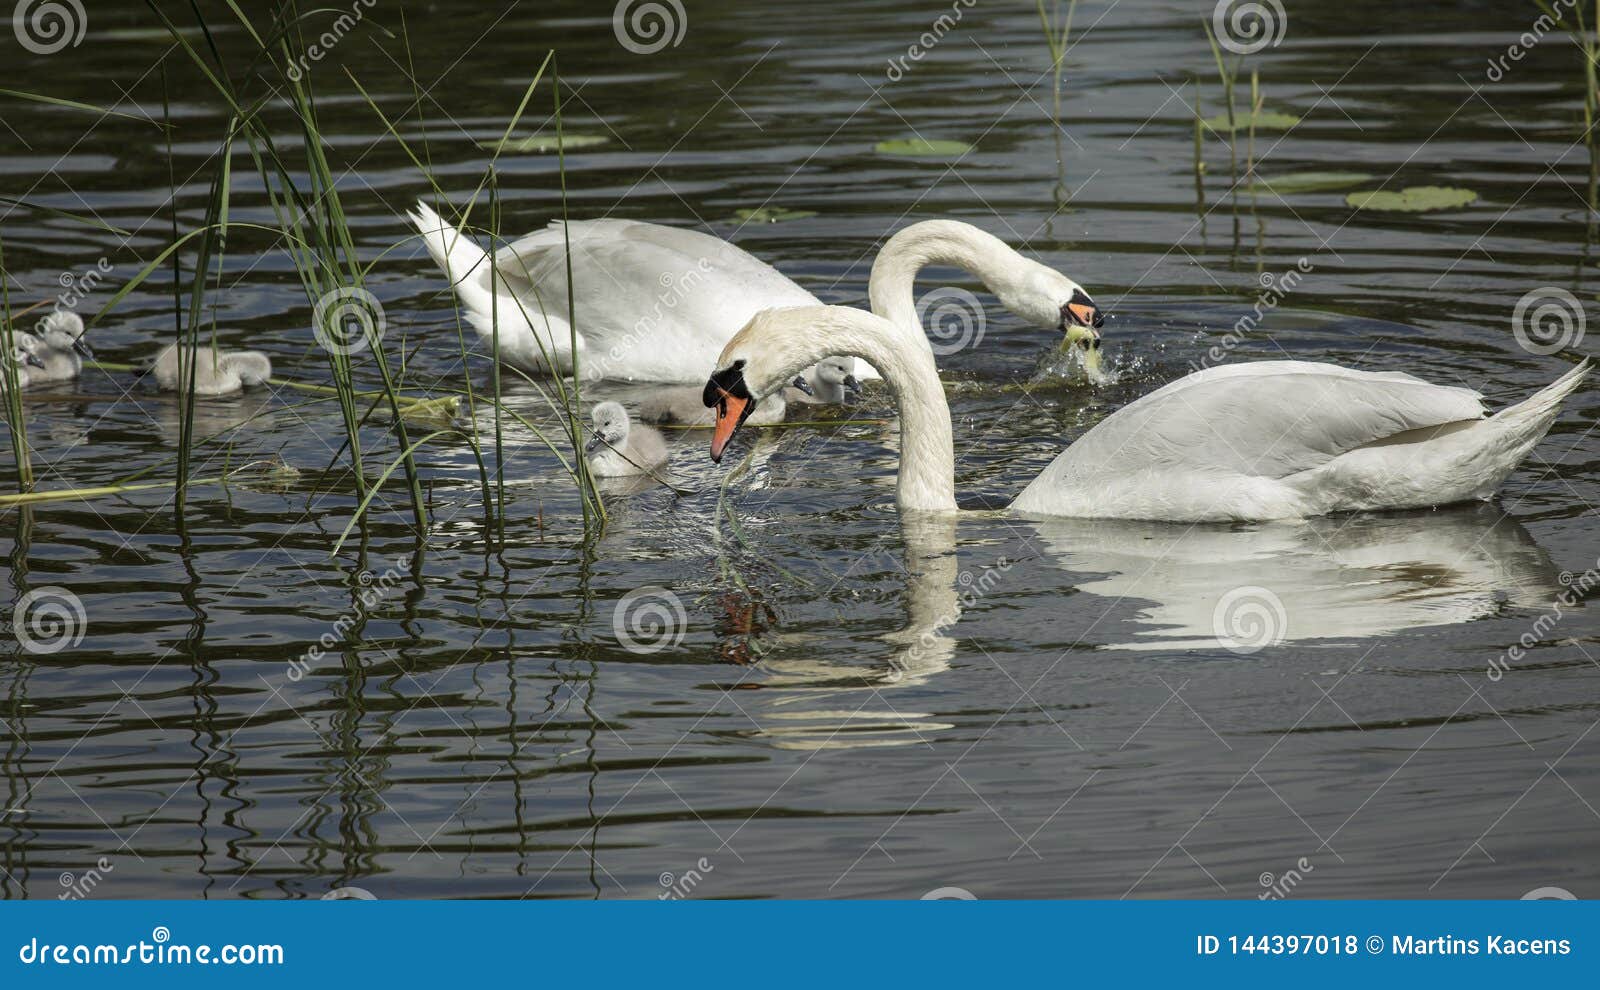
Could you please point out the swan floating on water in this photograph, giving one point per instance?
(1258, 441)
(658, 303)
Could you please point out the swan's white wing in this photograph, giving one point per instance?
(654, 302)
(1240, 428)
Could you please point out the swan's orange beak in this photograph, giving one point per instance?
(1081, 311)
(731, 411)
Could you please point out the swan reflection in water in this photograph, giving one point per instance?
(1246, 587)
(813, 702)
(1240, 588)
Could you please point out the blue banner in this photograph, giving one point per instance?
(1313, 943)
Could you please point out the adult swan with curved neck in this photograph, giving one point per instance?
(1266, 440)
(658, 303)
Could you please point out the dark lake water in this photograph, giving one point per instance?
(485, 724)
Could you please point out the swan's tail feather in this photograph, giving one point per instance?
(1532, 417)
(1519, 428)
(461, 260)
(454, 253)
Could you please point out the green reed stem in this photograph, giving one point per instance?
(17, 427)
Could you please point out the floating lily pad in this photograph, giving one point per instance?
(543, 144)
(919, 148)
(772, 214)
(1413, 199)
(1264, 121)
(1297, 182)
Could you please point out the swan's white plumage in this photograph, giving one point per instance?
(1286, 439)
(1269, 440)
(658, 303)
(655, 303)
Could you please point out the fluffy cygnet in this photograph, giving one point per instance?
(617, 448)
(215, 372)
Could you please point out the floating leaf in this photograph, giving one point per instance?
(1297, 182)
(921, 148)
(772, 214)
(1413, 199)
(544, 144)
(1264, 121)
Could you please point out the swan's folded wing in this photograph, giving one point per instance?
(659, 301)
(1268, 419)
(634, 263)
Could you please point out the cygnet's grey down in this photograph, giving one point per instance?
(26, 363)
(58, 346)
(832, 381)
(215, 372)
(617, 448)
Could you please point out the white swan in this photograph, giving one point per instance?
(617, 448)
(1269, 440)
(215, 372)
(658, 303)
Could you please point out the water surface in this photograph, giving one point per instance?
(480, 726)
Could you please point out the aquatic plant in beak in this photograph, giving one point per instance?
(1081, 321)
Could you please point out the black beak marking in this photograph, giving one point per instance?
(728, 381)
(1081, 298)
(803, 385)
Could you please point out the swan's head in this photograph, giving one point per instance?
(777, 344)
(1045, 297)
(610, 426)
(62, 330)
(728, 391)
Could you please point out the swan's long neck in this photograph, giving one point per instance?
(927, 453)
(892, 285)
